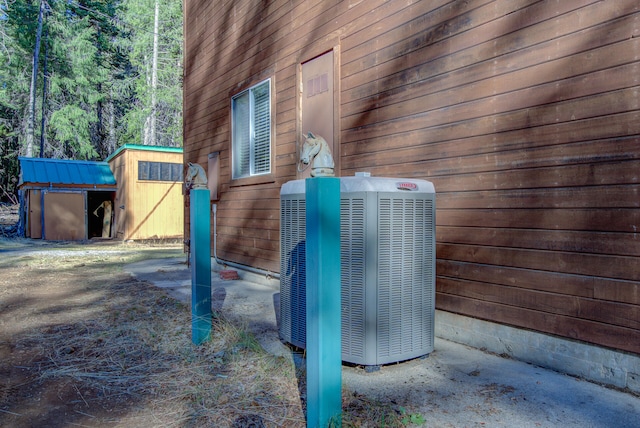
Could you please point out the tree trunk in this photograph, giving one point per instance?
(31, 121)
(151, 120)
(111, 139)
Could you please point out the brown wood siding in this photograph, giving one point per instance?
(524, 114)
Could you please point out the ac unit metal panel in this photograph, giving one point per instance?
(387, 268)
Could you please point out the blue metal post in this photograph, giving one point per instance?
(200, 246)
(324, 353)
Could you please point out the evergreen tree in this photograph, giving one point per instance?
(107, 79)
(18, 29)
(164, 98)
(15, 72)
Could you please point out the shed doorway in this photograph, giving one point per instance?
(100, 214)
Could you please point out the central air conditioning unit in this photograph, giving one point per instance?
(387, 234)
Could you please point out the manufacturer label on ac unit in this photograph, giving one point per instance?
(406, 185)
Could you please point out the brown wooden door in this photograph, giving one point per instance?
(64, 216)
(35, 214)
(317, 103)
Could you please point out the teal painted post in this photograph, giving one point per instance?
(200, 246)
(324, 352)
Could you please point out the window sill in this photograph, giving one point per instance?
(251, 181)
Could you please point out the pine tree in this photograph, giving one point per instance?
(159, 87)
(106, 76)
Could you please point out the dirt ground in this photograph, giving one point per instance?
(84, 344)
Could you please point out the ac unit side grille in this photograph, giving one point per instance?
(403, 283)
(352, 268)
(293, 326)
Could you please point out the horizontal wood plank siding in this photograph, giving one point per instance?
(524, 114)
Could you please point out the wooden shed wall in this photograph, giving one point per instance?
(524, 114)
(152, 209)
(118, 168)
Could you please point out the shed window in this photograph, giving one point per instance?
(159, 171)
(251, 131)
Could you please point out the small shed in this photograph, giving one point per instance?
(66, 200)
(149, 202)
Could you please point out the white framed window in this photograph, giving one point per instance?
(251, 131)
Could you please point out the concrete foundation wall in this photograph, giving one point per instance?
(593, 363)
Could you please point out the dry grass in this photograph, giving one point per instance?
(129, 361)
(140, 351)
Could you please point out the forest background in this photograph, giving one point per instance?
(78, 79)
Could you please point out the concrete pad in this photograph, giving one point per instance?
(251, 303)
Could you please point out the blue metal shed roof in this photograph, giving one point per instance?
(57, 171)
